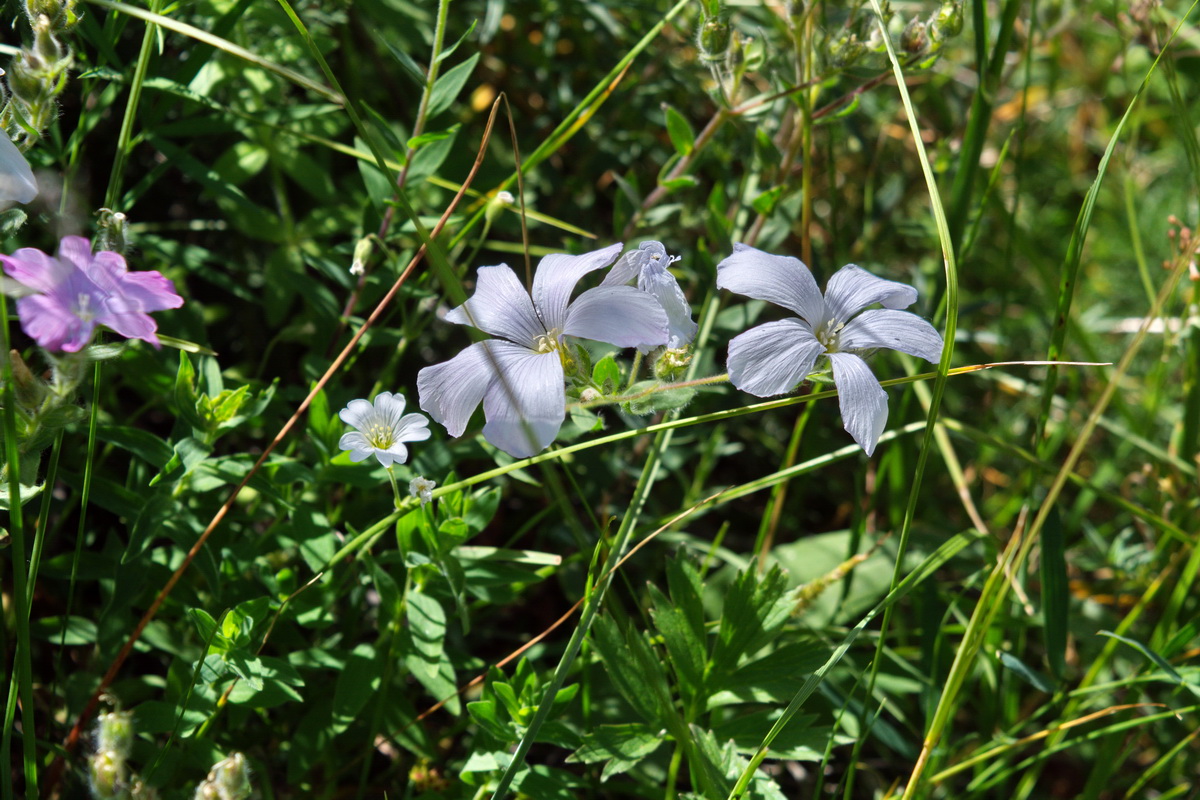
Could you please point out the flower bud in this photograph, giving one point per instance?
(713, 38)
(946, 22)
(114, 734)
(671, 365)
(589, 394)
(501, 201)
(362, 251)
(48, 48)
(914, 39)
(106, 774)
(111, 233)
(845, 50)
(30, 390)
(25, 82)
(229, 779)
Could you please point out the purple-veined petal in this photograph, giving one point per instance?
(35, 269)
(526, 404)
(896, 330)
(356, 413)
(619, 315)
(52, 325)
(449, 392)
(781, 280)
(501, 307)
(556, 277)
(17, 184)
(357, 444)
(772, 358)
(852, 289)
(661, 284)
(412, 428)
(77, 251)
(863, 401)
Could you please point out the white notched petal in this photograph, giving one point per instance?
(526, 404)
(852, 289)
(618, 315)
(772, 358)
(412, 428)
(357, 444)
(17, 184)
(896, 330)
(356, 413)
(397, 453)
(500, 306)
(556, 277)
(863, 401)
(781, 280)
(449, 392)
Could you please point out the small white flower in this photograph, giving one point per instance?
(358, 267)
(17, 184)
(422, 487)
(648, 264)
(772, 358)
(382, 429)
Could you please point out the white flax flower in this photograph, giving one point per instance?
(381, 429)
(519, 375)
(772, 358)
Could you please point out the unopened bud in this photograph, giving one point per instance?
(111, 231)
(229, 779)
(914, 39)
(48, 48)
(713, 38)
(672, 363)
(29, 389)
(106, 773)
(114, 733)
(501, 201)
(362, 251)
(846, 50)
(947, 21)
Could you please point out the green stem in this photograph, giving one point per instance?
(135, 94)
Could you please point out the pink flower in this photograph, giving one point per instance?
(77, 290)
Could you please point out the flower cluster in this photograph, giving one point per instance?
(77, 290)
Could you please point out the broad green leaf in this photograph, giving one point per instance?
(356, 684)
(682, 136)
(622, 746)
(607, 375)
(685, 649)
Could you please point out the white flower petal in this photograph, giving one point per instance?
(662, 285)
(526, 404)
(852, 289)
(781, 280)
(772, 358)
(619, 315)
(863, 401)
(556, 277)
(397, 453)
(500, 306)
(450, 391)
(390, 404)
(354, 440)
(17, 184)
(356, 413)
(412, 428)
(896, 330)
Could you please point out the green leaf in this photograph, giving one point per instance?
(607, 375)
(449, 51)
(765, 203)
(1031, 676)
(633, 668)
(622, 746)
(1159, 661)
(486, 715)
(754, 608)
(356, 684)
(685, 649)
(681, 133)
(1055, 595)
(447, 87)
(141, 443)
(658, 400)
(79, 630)
(410, 66)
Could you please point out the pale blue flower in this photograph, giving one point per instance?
(519, 376)
(772, 358)
(648, 264)
(381, 429)
(17, 184)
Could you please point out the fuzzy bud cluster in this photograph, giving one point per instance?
(109, 777)
(229, 779)
(39, 72)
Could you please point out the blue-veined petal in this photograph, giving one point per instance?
(449, 392)
(863, 401)
(781, 280)
(772, 358)
(525, 404)
(661, 284)
(556, 277)
(17, 184)
(619, 315)
(501, 307)
(896, 330)
(852, 289)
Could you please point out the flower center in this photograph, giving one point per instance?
(548, 342)
(828, 334)
(83, 307)
(379, 434)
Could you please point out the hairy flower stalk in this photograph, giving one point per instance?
(774, 357)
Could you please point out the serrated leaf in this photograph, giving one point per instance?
(622, 746)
